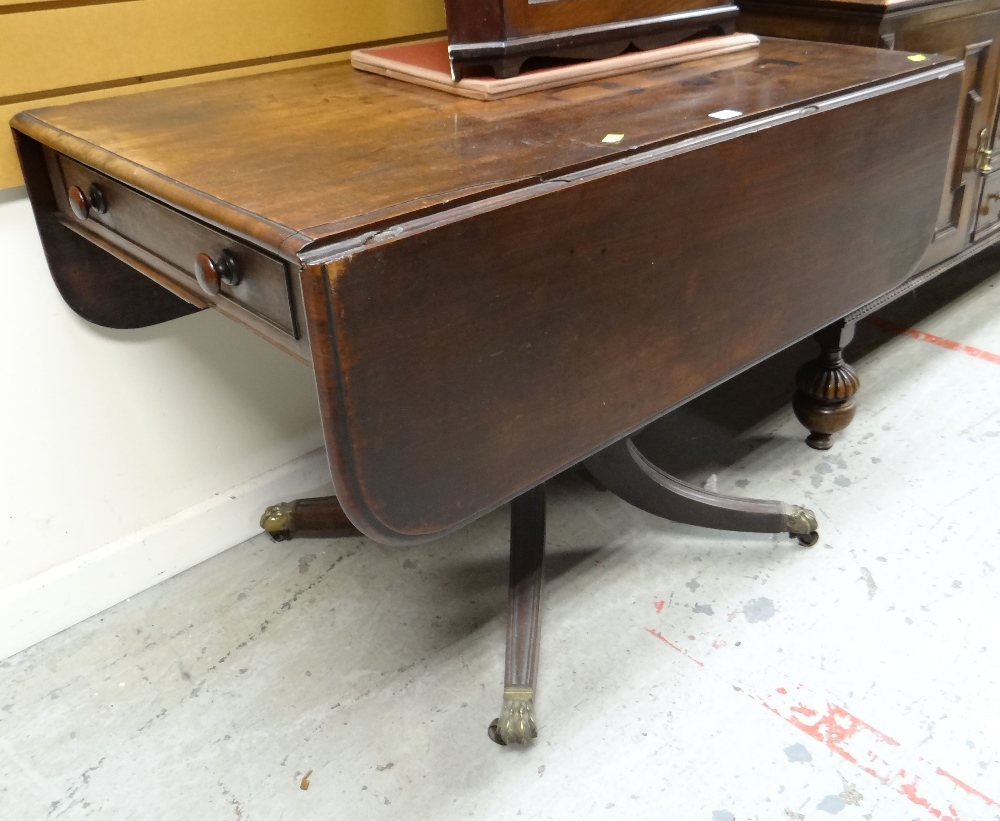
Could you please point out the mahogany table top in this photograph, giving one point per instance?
(324, 151)
(492, 292)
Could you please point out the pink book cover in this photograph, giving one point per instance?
(427, 64)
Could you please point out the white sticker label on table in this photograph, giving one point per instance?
(725, 114)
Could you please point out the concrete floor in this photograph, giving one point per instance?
(686, 674)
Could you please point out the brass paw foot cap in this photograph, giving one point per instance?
(517, 723)
(277, 521)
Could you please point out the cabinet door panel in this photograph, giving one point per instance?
(988, 217)
(976, 40)
(988, 213)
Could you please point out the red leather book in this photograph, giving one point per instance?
(427, 64)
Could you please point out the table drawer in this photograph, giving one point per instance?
(257, 282)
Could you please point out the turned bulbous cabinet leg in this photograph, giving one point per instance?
(824, 399)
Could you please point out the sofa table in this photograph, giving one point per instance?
(491, 293)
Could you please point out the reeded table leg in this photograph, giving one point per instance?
(824, 401)
(625, 472)
(631, 476)
(517, 724)
(321, 516)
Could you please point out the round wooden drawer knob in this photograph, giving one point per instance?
(82, 204)
(78, 203)
(211, 273)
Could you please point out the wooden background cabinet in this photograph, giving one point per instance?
(966, 29)
(503, 34)
(969, 216)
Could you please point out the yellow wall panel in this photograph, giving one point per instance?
(69, 50)
(61, 48)
(10, 174)
(55, 2)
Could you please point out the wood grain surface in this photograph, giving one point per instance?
(492, 291)
(968, 30)
(483, 352)
(311, 141)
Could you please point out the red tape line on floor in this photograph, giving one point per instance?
(940, 341)
(921, 782)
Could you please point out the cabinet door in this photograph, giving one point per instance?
(988, 165)
(976, 40)
(988, 216)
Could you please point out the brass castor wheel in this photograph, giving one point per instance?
(808, 539)
(276, 521)
(494, 733)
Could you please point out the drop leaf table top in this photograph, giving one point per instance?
(492, 292)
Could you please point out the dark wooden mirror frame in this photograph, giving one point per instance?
(503, 34)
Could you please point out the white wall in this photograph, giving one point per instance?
(129, 455)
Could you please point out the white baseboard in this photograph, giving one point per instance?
(11, 194)
(66, 595)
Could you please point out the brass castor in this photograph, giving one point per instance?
(517, 723)
(807, 539)
(494, 733)
(277, 521)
